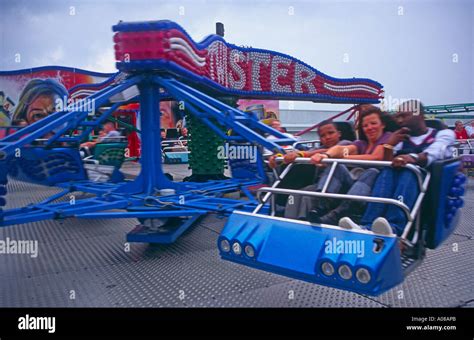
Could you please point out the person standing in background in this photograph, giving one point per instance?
(470, 129)
(460, 131)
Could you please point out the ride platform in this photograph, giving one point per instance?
(92, 259)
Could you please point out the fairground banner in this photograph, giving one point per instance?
(20, 89)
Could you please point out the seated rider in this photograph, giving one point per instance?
(460, 131)
(329, 136)
(470, 129)
(374, 132)
(421, 147)
(184, 135)
(108, 131)
(164, 144)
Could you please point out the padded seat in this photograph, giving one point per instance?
(435, 124)
(112, 154)
(440, 209)
(300, 176)
(347, 130)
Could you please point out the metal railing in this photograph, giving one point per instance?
(170, 145)
(464, 146)
(423, 179)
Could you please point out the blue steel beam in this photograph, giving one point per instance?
(200, 198)
(204, 117)
(40, 212)
(235, 114)
(77, 122)
(27, 217)
(206, 103)
(56, 196)
(219, 132)
(151, 177)
(226, 119)
(143, 214)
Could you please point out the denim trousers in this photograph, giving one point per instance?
(354, 208)
(399, 184)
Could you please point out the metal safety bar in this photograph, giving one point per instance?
(174, 141)
(398, 203)
(275, 184)
(171, 145)
(465, 144)
(411, 215)
(417, 170)
(172, 149)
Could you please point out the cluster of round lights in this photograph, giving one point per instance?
(225, 246)
(455, 200)
(351, 88)
(3, 189)
(345, 272)
(236, 248)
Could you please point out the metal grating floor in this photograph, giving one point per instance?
(84, 263)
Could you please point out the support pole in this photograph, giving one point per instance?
(152, 172)
(151, 177)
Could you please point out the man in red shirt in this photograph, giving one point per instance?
(460, 131)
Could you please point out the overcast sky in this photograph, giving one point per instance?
(416, 49)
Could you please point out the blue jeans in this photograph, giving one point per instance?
(399, 184)
(361, 187)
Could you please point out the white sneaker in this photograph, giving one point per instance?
(347, 223)
(381, 226)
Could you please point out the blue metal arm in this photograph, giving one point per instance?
(224, 113)
(90, 127)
